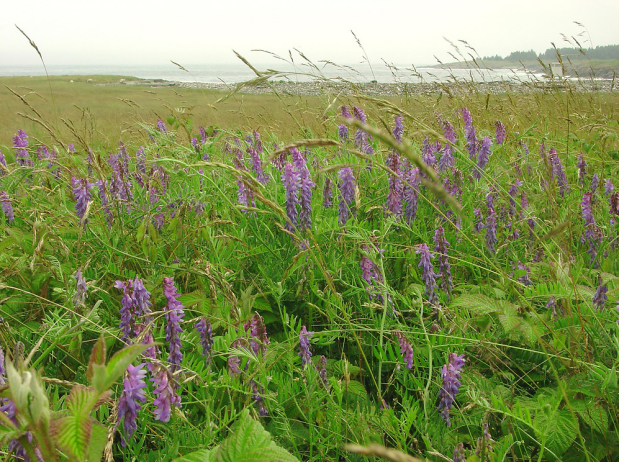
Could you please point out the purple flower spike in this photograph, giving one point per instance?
(81, 193)
(428, 273)
(500, 133)
(131, 397)
(410, 194)
(451, 375)
(447, 159)
(258, 334)
(483, 157)
(343, 133)
(478, 220)
(608, 186)
(259, 400)
(470, 133)
(448, 131)
(174, 314)
(206, 336)
(328, 194)
(127, 309)
(80, 294)
(398, 129)
(405, 349)
(165, 390)
(459, 453)
(594, 183)
(345, 112)
(292, 183)
(600, 297)
(558, 172)
(347, 194)
(20, 143)
(512, 192)
(441, 249)
(395, 190)
(161, 126)
(304, 346)
(586, 208)
(321, 368)
(581, 169)
(613, 207)
(7, 208)
(491, 227)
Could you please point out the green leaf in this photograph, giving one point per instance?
(72, 434)
(118, 363)
(192, 298)
(97, 357)
(356, 388)
(561, 431)
(509, 319)
(98, 440)
(204, 455)
(480, 304)
(249, 442)
(592, 414)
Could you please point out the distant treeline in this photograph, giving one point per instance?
(604, 52)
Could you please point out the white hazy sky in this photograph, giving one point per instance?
(153, 32)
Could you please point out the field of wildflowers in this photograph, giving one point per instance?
(445, 286)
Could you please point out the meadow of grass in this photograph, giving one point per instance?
(434, 274)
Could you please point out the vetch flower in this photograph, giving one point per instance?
(20, 143)
(447, 159)
(478, 225)
(491, 227)
(459, 453)
(600, 297)
(470, 133)
(328, 194)
(428, 273)
(428, 156)
(581, 169)
(165, 391)
(81, 193)
(206, 336)
(7, 208)
(258, 334)
(304, 346)
(512, 192)
(441, 250)
(321, 368)
(608, 186)
(174, 314)
(131, 397)
(394, 199)
(405, 349)
(410, 194)
(451, 375)
(257, 394)
(558, 172)
(127, 309)
(500, 132)
(292, 183)
(398, 129)
(80, 294)
(483, 157)
(161, 126)
(347, 194)
(594, 183)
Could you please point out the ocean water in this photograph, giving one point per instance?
(234, 73)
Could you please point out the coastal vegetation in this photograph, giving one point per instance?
(198, 275)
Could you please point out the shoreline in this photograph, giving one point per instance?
(319, 88)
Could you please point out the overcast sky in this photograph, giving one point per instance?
(135, 32)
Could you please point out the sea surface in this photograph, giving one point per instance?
(234, 73)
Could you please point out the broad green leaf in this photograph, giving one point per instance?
(98, 440)
(97, 357)
(118, 363)
(249, 442)
(592, 414)
(72, 434)
(356, 388)
(509, 319)
(192, 298)
(561, 430)
(480, 304)
(204, 455)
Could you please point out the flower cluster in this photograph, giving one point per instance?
(174, 314)
(258, 334)
(304, 346)
(405, 349)
(428, 273)
(81, 193)
(165, 391)
(451, 375)
(7, 208)
(131, 397)
(500, 132)
(205, 332)
(20, 143)
(80, 294)
(347, 194)
(600, 297)
(441, 250)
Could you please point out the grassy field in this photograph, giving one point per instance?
(435, 274)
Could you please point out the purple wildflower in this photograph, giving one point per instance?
(127, 309)
(398, 129)
(586, 208)
(2, 164)
(101, 186)
(343, 133)
(600, 297)
(428, 156)
(609, 186)
(259, 400)
(441, 250)
(174, 314)
(478, 220)
(448, 131)
(258, 334)
(305, 187)
(203, 134)
(491, 227)
(594, 183)
(161, 126)
(292, 183)
(395, 192)
(451, 375)
(405, 349)
(7, 207)
(558, 172)
(206, 336)
(370, 271)
(165, 390)
(613, 207)
(459, 453)
(500, 133)
(581, 169)
(131, 397)
(485, 444)
(410, 194)
(447, 159)
(512, 192)
(483, 157)
(347, 194)
(81, 193)
(304, 346)
(321, 368)
(257, 165)
(470, 133)
(80, 294)
(428, 273)
(20, 143)
(525, 279)
(328, 200)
